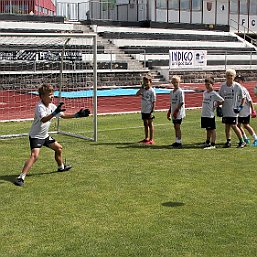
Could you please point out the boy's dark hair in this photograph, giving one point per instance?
(148, 77)
(209, 80)
(44, 89)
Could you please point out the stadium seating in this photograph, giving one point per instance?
(125, 53)
(151, 45)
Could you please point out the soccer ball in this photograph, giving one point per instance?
(255, 90)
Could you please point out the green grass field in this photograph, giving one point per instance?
(125, 199)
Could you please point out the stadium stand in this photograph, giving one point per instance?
(223, 48)
(127, 53)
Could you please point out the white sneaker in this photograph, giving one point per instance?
(210, 147)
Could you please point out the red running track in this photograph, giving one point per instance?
(21, 106)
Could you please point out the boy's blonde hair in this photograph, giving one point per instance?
(45, 89)
(176, 77)
(231, 72)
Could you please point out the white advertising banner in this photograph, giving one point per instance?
(187, 58)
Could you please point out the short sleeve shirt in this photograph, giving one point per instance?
(38, 128)
(233, 96)
(246, 111)
(176, 98)
(147, 99)
(208, 104)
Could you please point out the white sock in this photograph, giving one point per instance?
(254, 136)
(22, 176)
(244, 136)
(61, 166)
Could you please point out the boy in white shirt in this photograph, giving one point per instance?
(148, 99)
(38, 136)
(245, 114)
(211, 100)
(177, 110)
(234, 100)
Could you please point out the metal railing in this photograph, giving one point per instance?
(246, 31)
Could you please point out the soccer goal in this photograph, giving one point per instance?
(66, 61)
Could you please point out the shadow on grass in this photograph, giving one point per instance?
(159, 147)
(172, 204)
(11, 178)
(121, 145)
(8, 178)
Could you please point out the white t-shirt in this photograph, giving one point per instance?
(233, 96)
(176, 98)
(208, 104)
(38, 128)
(148, 97)
(246, 111)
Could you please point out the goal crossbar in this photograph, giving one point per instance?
(22, 62)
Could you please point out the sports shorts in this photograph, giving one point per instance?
(230, 120)
(38, 143)
(177, 121)
(208, 123)
(146, 116)
(244, 120)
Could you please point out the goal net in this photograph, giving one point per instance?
(66, 61)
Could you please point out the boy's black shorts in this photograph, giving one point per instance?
(230, 120)
(38, 143)
(177, 121)
(146, 116)
(208, 123)
(244, 120)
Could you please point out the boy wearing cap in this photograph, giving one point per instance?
(211, 100)
(245, 114)
(148, 99)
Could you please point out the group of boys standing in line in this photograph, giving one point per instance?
(233, 102)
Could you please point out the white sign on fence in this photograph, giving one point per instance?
(187, 58)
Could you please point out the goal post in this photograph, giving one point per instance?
(68, 61)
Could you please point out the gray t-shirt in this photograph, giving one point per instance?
(38, 128)
(233, 96)
(176, 98)
(208, 104)
(148, 97)
(246, 111)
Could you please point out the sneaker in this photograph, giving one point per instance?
(227, 145)
(247, 141)
(241, 144)
(150, 142)
(144, 141)
(66, 168)
(176, 145)
(254, 143)
(19, 182)
(210, 147)
(205, 144)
